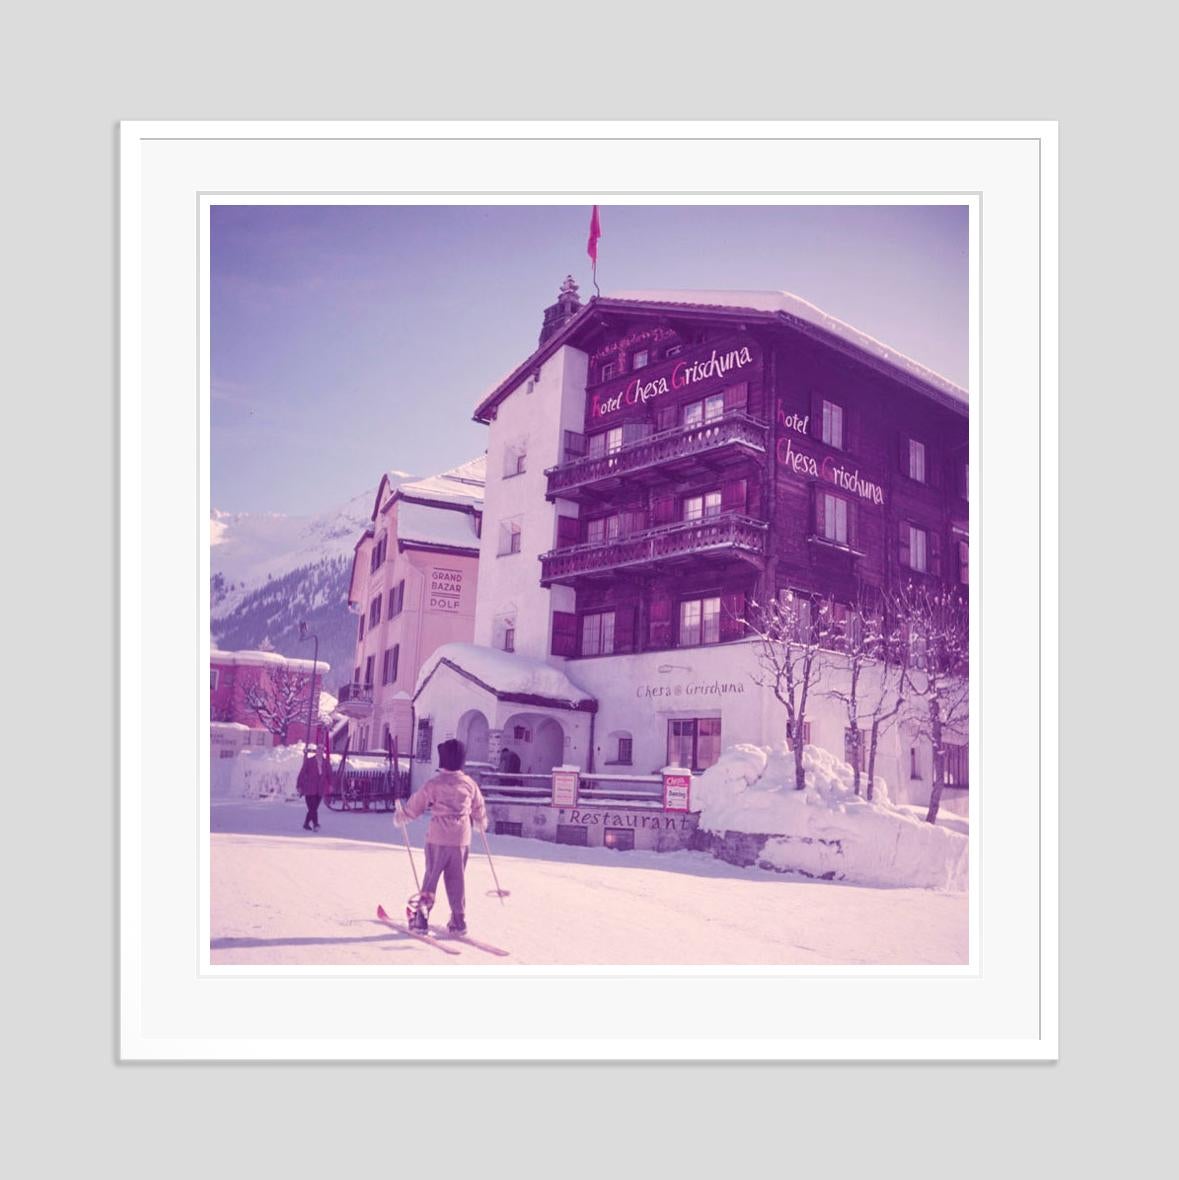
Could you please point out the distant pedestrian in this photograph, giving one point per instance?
(314, 777)
(455, 804)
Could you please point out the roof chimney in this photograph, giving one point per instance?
(567, 306)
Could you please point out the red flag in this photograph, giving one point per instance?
(595, 232)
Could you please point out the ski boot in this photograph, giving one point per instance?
(456, 926)
(417, 914)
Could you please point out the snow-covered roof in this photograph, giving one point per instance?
(428, 524)
(507, 674)
(460, 485)
(267, 659)
(794, 305)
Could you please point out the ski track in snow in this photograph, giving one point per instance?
(282, 895)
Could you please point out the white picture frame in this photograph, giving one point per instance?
(1003, 1005)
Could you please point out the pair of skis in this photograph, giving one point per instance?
(439, 939)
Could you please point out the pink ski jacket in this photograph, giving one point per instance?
(454, 800)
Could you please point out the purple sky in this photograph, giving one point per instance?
(348, 340)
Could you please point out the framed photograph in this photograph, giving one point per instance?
(622, 557)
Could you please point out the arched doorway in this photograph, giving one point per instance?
(472, 732)
(538, 741)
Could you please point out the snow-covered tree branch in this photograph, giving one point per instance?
(280, 700)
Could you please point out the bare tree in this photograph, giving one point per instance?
(793, 633)
(279, 699)
(870, 647)
(936, 621)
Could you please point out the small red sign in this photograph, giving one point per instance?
(677, 792)
(565, 788)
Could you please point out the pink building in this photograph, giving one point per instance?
(265, 691)
(414, 578)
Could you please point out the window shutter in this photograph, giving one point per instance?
(904, 546)
(903, 454)
(817, 508)
(568, 531)
(665, 418)
(732, 625)
(624, 628)
(733, 496)
(662, 509)
(816, 423)
(933, 542)
(852, 525)
(564, 633)
(736, 397)
(660, 621)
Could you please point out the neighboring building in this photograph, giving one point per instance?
(265, 692)
(659, 463)
(413, 586)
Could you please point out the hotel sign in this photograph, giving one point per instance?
(702, 368)
(801, 461)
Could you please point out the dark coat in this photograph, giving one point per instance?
(314, 778)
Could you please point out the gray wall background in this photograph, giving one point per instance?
(74, 72)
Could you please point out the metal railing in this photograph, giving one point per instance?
(732, 429)
(729, 530)
(362, 693)
(634, 790)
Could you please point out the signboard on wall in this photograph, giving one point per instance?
(565, 784)
(446, 589)
(677, 791)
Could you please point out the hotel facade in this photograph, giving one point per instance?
(661, 462)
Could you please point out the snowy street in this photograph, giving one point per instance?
(282, 895)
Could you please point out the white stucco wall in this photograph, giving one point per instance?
(536, 420)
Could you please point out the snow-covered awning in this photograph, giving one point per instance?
(508, 676)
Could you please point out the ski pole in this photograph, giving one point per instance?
(500, 893)
(409, 851)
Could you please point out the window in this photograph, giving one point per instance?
(833, 518)
(515, 459)
(964, 563)
(797, 615)
(640, 358)
(396, 599)
(389, 667)
(607, 371)
(374, 612)
(521, 462)
(620, 839)
(918, 650)
(521, 733)
(699, 621)
(916, 460)
(673, 350)
(605, 528)
(625, 751)
(360, 633)
(368, 671)
(226, 753)
(806, 734)
(957, 765)
(917, 549)
(504, 827)
(356, 674)
(605, 442)
(708, 410)
(597, 634)
(693, 742)
(510, 635)
(214, 676)
(914, 767)
(509, 537)
(833, 425)
(702, 506)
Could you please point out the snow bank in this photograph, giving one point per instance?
(266, 774)
(505, 672)
(826, 830)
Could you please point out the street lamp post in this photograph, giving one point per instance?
(305, 634)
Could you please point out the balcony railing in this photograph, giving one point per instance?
(738, 534)
(355, 700)
(683, 442)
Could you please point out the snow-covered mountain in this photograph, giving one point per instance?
(269, 571)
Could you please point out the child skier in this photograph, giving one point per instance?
(455, 803)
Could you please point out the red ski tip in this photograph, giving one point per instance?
(381, 913)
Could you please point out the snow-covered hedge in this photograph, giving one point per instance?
(267, 774)
(826, 830)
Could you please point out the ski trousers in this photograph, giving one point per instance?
(448, 862)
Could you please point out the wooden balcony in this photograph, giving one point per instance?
(670, 454)
(355, 700)
(723, 538)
